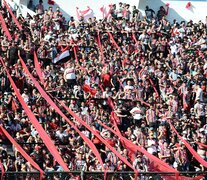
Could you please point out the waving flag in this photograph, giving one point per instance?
(63, 57)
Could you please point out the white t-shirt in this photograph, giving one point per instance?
(174, 48)
(47, 37)
(25, 97)
(199, 109)
(173, 75)
(136, 113)
(199, 94)
(81, 165)
(152, 149)
(61, 135)
(70, 74)
(119, 12)
(128, 87)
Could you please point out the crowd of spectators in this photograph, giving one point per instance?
(164, 65)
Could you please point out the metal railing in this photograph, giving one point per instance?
(120, 175)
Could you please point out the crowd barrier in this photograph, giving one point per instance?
(86, 175)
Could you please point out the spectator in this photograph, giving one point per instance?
(149, 13)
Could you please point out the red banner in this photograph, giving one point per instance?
(114, 42)
(4, 27)
(49, 100)
(47, 141)
(153, 85)
(100, 46)
(134, 38)
(109, 12)
(76, 58)
(103, 11)
(134, 148)
(13, 16)
(84, 12)
(38, 68)
(80, 13)
(201, 144)
(22, 152)
(192, 151)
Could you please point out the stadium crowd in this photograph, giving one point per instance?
(157, 75)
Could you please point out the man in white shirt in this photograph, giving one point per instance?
(199, 111)
(151, 144)
(81, 163)
(129, 86)
(48, 36)
(25, 96)
(61, 134)
(70, 76)
(199, 93)
(174, 48)
(202, 42)
(137, 114)
(119, 12)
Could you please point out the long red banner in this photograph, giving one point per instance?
(38, 68)
(192, 151)
(114, 42)
(22, 151)
(4, 27)
(13, 16)
(100, 46)
(47, 141)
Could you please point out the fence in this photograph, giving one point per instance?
(81, 175)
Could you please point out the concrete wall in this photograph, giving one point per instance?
(198, 10)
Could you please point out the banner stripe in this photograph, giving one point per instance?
(22, 151)
(38, 68)
(4, 27)
(192, 151)
(48, 143)
(114, 42)
(13, 16)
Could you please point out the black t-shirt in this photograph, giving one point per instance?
(149, 13)
(135, 11)
(39, 159)
(13, 52)
(23, 37)
(115, 81)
